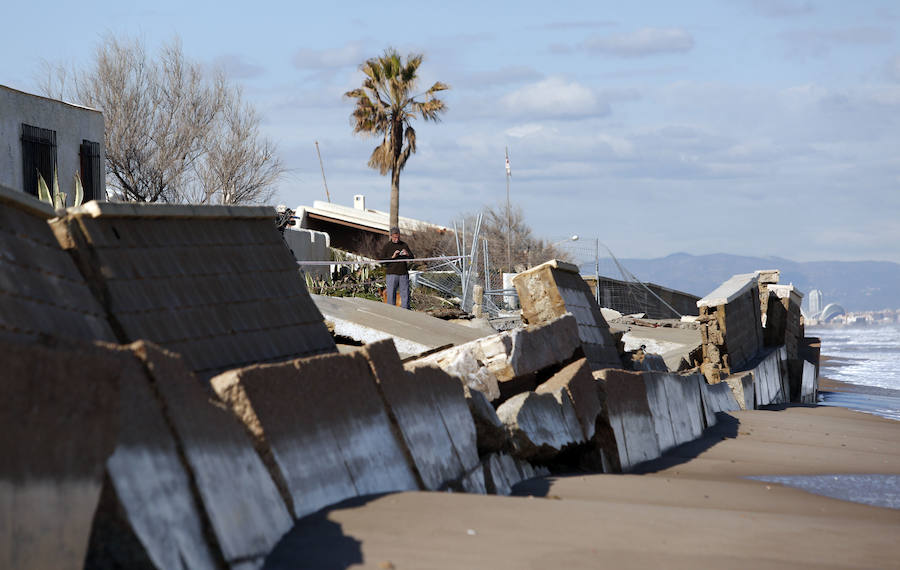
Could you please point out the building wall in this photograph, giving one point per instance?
(71, 123)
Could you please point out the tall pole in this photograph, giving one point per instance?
(327, 195)
(597, 269)
(508, 218)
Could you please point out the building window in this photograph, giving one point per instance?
(38, 156)
(90, 171)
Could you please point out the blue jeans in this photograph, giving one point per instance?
(395, 282)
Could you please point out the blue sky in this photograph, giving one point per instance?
(754, 127)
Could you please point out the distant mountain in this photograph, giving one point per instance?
(855, 285)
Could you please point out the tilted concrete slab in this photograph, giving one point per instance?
(484, 363)
(58, 417)
(413, 332)
(148, 510)
(540, 425)
(810, 384)
(721, 398)
(672, 344)
(769, 380)
(503, 471)
(577, 380)
(554, 288)
(325, 425)
(216, 284)
(41, 290)
(730, 290)
(630, 416)
(490, 432)
(245, 511)
(429, 408)
(741, 385)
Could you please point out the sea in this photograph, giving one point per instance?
(867, 357)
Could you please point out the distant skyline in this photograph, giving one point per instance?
(750, 127)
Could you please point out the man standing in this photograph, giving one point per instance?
(397, 271)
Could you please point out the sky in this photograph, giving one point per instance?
(751, 127)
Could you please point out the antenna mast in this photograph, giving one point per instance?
(327, 195)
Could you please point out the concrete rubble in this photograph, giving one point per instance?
(41, 290)
(58, 416)
(486, 363)
(413, 333)
(230, 414)
(214, 283)
(552, 289)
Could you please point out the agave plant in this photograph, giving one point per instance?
(58, 199)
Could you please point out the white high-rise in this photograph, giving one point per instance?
(815, 302)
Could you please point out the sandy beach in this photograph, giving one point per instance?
(692, 507)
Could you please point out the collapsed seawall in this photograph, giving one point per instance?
(187, 403)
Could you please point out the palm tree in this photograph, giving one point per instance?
(386, 105)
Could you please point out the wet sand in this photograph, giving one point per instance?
(690, 508)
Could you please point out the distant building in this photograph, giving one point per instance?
(42, 135)
(352, 229)
(815, 303)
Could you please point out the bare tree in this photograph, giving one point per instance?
(238, 166)
(173, 132)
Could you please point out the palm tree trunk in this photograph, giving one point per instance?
(395, 197)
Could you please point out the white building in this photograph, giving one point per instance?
(38, 134)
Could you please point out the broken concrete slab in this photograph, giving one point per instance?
(41, 290)
(629, 416)
(555, 288)
(579, 383)
(810, 383)
(413, 332)
(490, 432)
(769, 378)
(675, 345)
(731, 326)
(243, 506)
(503, 472)
(216, 284)
(540, 425)
(485, 363)
(429, 408)
(325, 425)
(741, 385)
(148, 512)
(721, 398)
(58, 416)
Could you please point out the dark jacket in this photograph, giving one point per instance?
(387, 252)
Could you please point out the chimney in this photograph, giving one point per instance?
(359, 202)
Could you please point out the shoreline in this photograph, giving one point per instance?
(693, 506)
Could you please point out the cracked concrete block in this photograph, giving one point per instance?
(146, 263)
(742, 388)
(503, 471)
(769, 380)
(540, 425)
(810, 383)
(245, 511)
(325, 425)
(484, 363)
(148, 513)
(721, 397)
(554, 288)
(630, 417)
(41, 290)
(489, 430)
(579, 383)
(58, 417)
(429, 408)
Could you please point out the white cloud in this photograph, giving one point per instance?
(350, 54)
(640, 43)
(556, 97)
